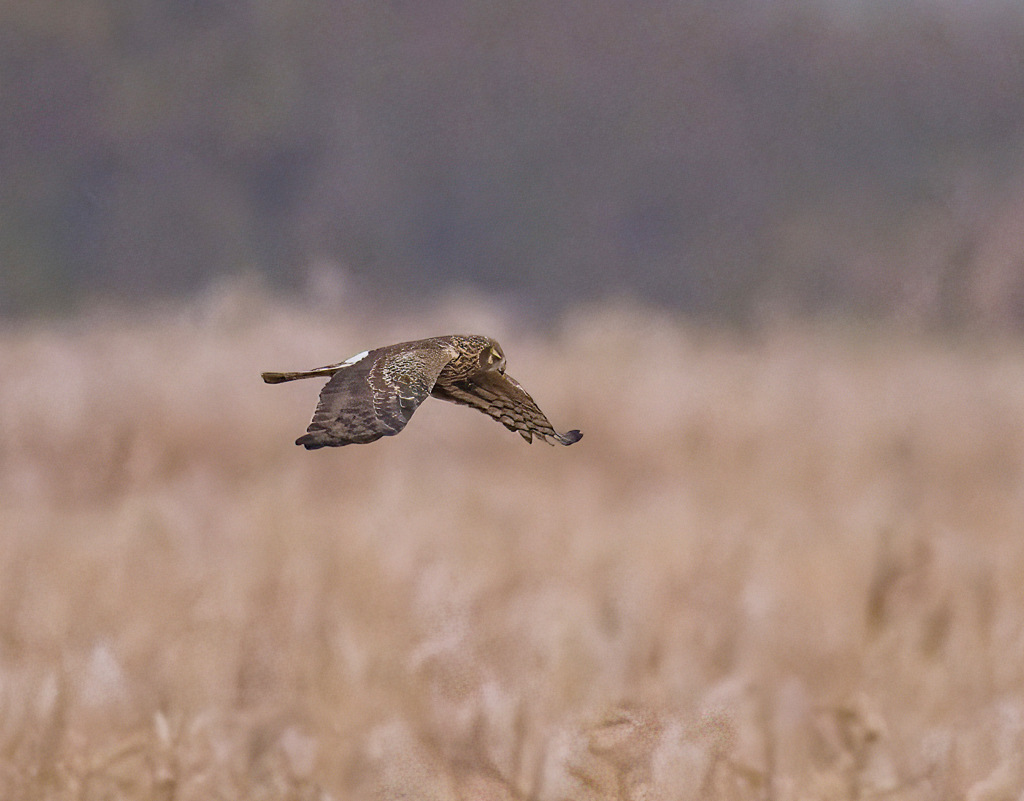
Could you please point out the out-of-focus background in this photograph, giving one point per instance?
(768, 256)
(722, 159)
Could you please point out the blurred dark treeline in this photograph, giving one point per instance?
(727, 159)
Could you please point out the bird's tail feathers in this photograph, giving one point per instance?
(278, 378)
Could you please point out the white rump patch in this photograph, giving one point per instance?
(353, 359)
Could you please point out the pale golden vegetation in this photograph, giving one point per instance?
(782, 565)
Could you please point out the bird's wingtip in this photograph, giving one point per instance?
(569, 437)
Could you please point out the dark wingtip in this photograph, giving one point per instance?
(272, 378)
(310, 442)
(569, 437)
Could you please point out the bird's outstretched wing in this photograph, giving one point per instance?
(500, 396)
(374, 396)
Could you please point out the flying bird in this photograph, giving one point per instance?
(374, 393)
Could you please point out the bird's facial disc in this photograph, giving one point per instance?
(493, 359)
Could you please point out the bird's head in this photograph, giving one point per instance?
(492, 357)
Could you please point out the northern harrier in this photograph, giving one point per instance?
(374, 393)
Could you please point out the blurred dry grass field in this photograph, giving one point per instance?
(786, 565)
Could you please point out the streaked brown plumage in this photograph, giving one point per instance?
(374, 393)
